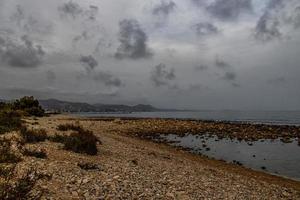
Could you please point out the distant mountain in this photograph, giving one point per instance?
(65, 106)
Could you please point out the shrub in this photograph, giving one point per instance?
(9, 120)
(33, 135)
(80, 141)
(6, 155)
(67, 127)
(19, 189)
(30, 106)
(35, 153)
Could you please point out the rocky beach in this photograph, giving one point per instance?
(128, 166)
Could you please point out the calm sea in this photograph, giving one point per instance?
(265, 117)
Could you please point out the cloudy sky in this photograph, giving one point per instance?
(196, 54)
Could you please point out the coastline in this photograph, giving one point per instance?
(132, 167)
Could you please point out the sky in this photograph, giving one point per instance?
(191, 54)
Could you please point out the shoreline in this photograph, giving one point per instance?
(223, 129)
(131, 167)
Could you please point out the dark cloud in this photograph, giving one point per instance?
(273, 4)
(201, 67)
(205, 29)
(161, 75)
(221, 63)
(92, 12)
(51, 76)
(74, 10)
(229, 76)
(21, 55)
(229, 9)
(18, 16)
(70, 9)
(267, 28)
(89, 61)
(133, 41)
(164, 8)
(199, 3)
(108, 79)
(277, 81)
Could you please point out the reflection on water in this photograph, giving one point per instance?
(270, 156)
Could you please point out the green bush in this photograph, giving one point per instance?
(9, 120)
(79, 141)
(6, 154)
(67, 127)
(33, 135)
(29, 105)
(35, 153)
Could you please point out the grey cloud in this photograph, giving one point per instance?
(273, 4)
(268, 25)
(229, 9)
(267, 28)
(161, 75)
(164, 8)
(108, 79)
(18, 16)
(22, 55)
(221, 64)
(229, 76)
(51, 76)
(92, 12)
(205, 29)
(74, 10)
(199, 3)
(133, 41)
(70, 9)
(89, 61)
(200, 67)
(277, 81)
(31, 24)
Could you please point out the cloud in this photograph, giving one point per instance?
(70, 9)
(108, 79)
(221, 63)
(277, 81)
(133, 41)
(100, 76)
(164, 8)
(89, 61)
(205, 29)
(51, 76)
(21, 55)
(161, 76)
(229, 9)
(200, 67)
(229, 76)
(228, 73)
(267, 28)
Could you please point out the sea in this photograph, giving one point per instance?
(260, 117)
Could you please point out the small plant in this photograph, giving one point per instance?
(67, 127)
(82, 142)
(33, 135)
(11, 189)
(79, 141)
(35, 153)
(88, 166)
(29, 105)
(9, 120)
(6, 155)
